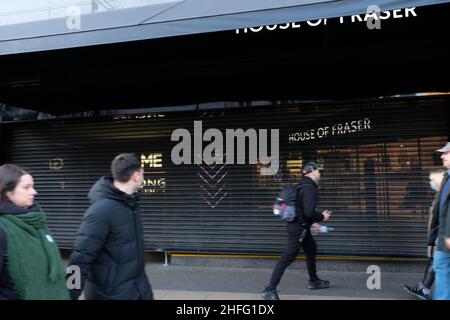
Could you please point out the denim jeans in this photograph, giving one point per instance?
(441, 266)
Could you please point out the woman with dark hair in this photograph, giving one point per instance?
(31, 267)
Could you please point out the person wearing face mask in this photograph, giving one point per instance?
(31, 267)
(423, 289)
(299, 234)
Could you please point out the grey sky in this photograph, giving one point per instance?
(30, 10)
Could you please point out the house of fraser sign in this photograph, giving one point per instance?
(336, 129)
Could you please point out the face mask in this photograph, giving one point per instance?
(433, 186)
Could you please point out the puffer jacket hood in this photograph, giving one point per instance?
(105, 189)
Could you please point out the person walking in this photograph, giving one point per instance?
(441, 221)
(299, 234)
(31, 267)
(109, 247)
(423, 289)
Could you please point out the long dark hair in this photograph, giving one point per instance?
(10, 175)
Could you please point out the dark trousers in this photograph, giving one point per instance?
(428, 277)
(309, 246)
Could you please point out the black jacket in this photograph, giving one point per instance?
(109, 248)
(306, 203)
(7, 287)
(440, 228)
(433, 231)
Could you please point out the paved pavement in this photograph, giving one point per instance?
(215, 283)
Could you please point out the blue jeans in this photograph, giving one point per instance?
(441, 266)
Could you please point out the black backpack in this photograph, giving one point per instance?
(284, 205)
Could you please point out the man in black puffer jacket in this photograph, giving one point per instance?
(109, 248)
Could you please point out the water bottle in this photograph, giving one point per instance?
(322, 229)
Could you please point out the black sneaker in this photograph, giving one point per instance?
(270, 295)
(318, 284)
(417, 292)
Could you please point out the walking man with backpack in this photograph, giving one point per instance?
(299, 234)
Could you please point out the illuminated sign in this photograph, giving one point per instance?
(152, 185)
(337, 129)
(373, 15)
(153, 160)
(154, 180)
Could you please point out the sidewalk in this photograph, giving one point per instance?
(214, 283)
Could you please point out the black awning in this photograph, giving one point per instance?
(178, 18)
(332, 62)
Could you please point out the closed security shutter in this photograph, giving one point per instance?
(376, 158)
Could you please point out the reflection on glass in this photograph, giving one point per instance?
(13, 12)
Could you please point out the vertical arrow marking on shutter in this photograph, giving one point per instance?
(211, 183)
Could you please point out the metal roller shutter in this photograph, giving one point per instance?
(376, 157)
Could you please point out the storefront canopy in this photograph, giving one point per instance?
(177, 18)
(175, 61)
